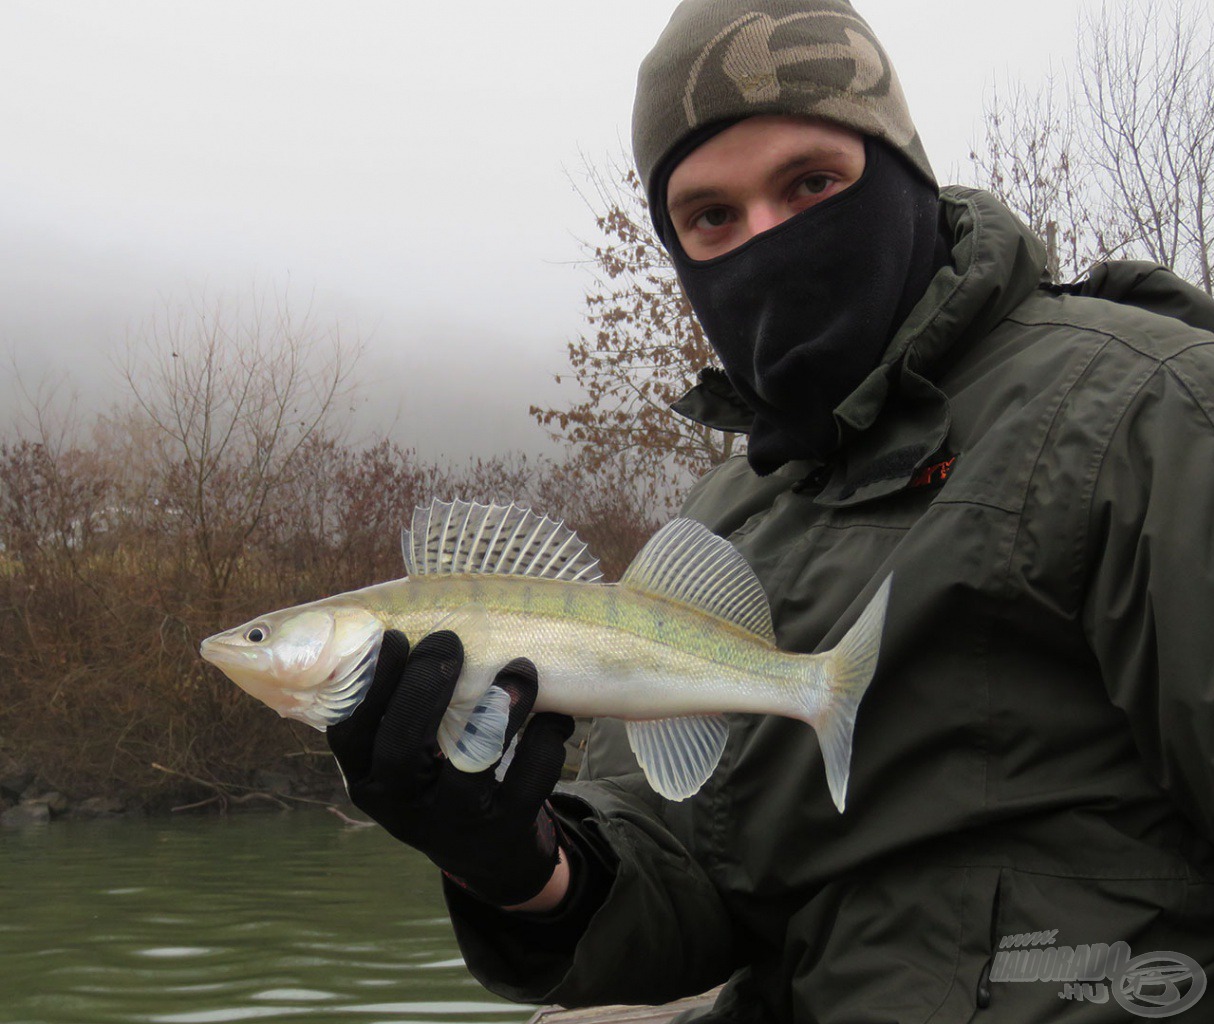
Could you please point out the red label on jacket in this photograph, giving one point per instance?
(933, 475)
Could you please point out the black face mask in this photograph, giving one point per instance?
(802, 313)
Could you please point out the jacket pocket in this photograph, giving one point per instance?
(906, 947)
(1061, 943)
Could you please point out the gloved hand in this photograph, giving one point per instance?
(497, 839)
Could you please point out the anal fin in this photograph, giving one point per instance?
(678, 754)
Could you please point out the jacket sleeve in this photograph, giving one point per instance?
(657, 932)
(1149, 613)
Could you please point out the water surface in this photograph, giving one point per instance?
(257, 917)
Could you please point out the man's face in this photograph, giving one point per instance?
(755, 175)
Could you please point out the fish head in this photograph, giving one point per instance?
(313, 663)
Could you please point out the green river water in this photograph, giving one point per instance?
(256, 917)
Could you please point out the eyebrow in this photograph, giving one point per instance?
(690, 197)
(818, 154)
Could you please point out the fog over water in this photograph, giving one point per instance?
(403, 169)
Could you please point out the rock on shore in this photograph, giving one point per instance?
(26, 800)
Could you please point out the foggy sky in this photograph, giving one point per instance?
(401, 168)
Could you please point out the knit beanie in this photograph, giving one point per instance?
(724, 60)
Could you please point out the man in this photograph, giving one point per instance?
(1029, 833)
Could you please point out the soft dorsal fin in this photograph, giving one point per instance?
(687, 562)
(450, 537)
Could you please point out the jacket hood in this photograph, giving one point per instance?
(1148, 286)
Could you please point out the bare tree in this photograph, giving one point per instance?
(1117, 162)
(1146, 72)
(234, 396)
(1030, 157)
(643, 347)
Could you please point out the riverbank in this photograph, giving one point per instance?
(27, 797)
(105, 597)
(308, 779)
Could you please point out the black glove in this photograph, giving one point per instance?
(497, 839)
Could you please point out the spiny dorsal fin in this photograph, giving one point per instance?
(687, 562)
(466, 537)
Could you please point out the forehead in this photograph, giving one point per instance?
(757, 145)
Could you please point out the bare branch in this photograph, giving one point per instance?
(1119, 160)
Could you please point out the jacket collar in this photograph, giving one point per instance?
(897, 419)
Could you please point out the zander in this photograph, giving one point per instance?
(684, 638)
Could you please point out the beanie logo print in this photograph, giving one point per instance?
(753, 66)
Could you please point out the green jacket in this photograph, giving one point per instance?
(1035, 467)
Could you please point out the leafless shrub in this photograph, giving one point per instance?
(159, 525)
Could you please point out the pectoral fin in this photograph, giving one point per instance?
(474, 742)
(473, 731)
(678, 754)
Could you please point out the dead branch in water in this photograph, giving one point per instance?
(223, 792)
(347, 820)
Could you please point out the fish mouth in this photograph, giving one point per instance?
(236, 662)
(247, 669)
(217, 652)
(337, 698)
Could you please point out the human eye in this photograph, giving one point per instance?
(712, 219)
(813, 185)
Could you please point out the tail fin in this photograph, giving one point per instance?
(848, 669)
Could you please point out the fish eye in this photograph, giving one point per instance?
(256, 635)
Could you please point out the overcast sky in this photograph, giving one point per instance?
(402, 167)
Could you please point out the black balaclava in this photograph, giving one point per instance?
(802, 313)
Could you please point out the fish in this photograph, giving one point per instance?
(682, 641)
